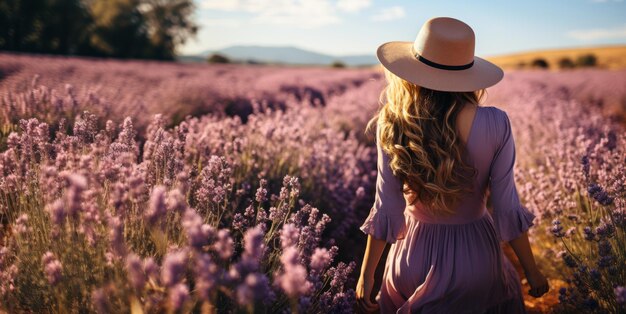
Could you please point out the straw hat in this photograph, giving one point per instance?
(441, 58)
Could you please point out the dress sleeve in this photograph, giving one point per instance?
(510, 217)
(386, 220)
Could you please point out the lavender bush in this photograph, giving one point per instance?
(90, 224)
(164, 187)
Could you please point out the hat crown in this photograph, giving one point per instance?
(445, 41)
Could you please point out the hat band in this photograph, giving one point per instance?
(442, 66)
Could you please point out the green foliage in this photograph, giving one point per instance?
(337, 64)
(218, 58)
(588, 60)
(566, 63)
(540, 63)
(118, 29)
(44, 26)
(107, 28)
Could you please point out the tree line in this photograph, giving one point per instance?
(143, 29)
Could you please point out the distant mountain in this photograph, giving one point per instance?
(285, 55)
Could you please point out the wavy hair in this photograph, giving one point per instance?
(418, 132)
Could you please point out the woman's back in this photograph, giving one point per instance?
(457, 257)
(491, 151)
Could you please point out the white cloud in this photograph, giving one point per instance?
(298, 13)
(599, 33)
(390, 13)
(226, 22)
(305, 14)
(353, 5)
(234, 5)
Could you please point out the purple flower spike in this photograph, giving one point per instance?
(52, 268)
(255, 287)
(320, 259)
(289, 235)
(157, 208)
(224, 246)
(293, 280)
(178, 295)
(174, 266)
(136, 275)
(57, 212)
(206, 276)
(198, 234)
(254, 247)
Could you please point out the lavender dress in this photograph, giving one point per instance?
(454, 264)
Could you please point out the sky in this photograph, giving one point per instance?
(349, 27)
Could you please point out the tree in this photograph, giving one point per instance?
(115, 28)
(540, 63)
(566, 63)
(588, 60)
(169, 25)
(118, 29)
(337, 64)
(46, 26)
(218, 58)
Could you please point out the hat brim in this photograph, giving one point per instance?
(396, 57)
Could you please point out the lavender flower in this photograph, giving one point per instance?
(157, 208)
(207, 273)
(52, 268)
(261, 193)
(604, 248)
(557, 229)
(605, 230)
(174, 267)
(151, 269)
(599, 194)
(116, 236)
(289, 235)
(136, 275)
(198, 234)
(57, 212)
(224, 244)
(589, 235)
(293, 281)
(100, 301)
(178, 295)
(254, 287)
(254, 247)
(320, 259)
(568, 259)
(21, 225)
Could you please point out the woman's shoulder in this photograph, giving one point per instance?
(495, 112)
(496, 123)
(496, 117)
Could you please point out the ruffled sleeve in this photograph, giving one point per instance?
(510, 217)
(386, 220)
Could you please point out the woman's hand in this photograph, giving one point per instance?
(363, 293)
(538, 283)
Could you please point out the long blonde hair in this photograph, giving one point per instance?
(418, 132)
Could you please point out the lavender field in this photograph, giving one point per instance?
(161, 187)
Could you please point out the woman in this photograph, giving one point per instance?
(439, 154)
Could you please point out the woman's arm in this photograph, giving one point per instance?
(373, 252)
(524, 253)
(536, 280)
